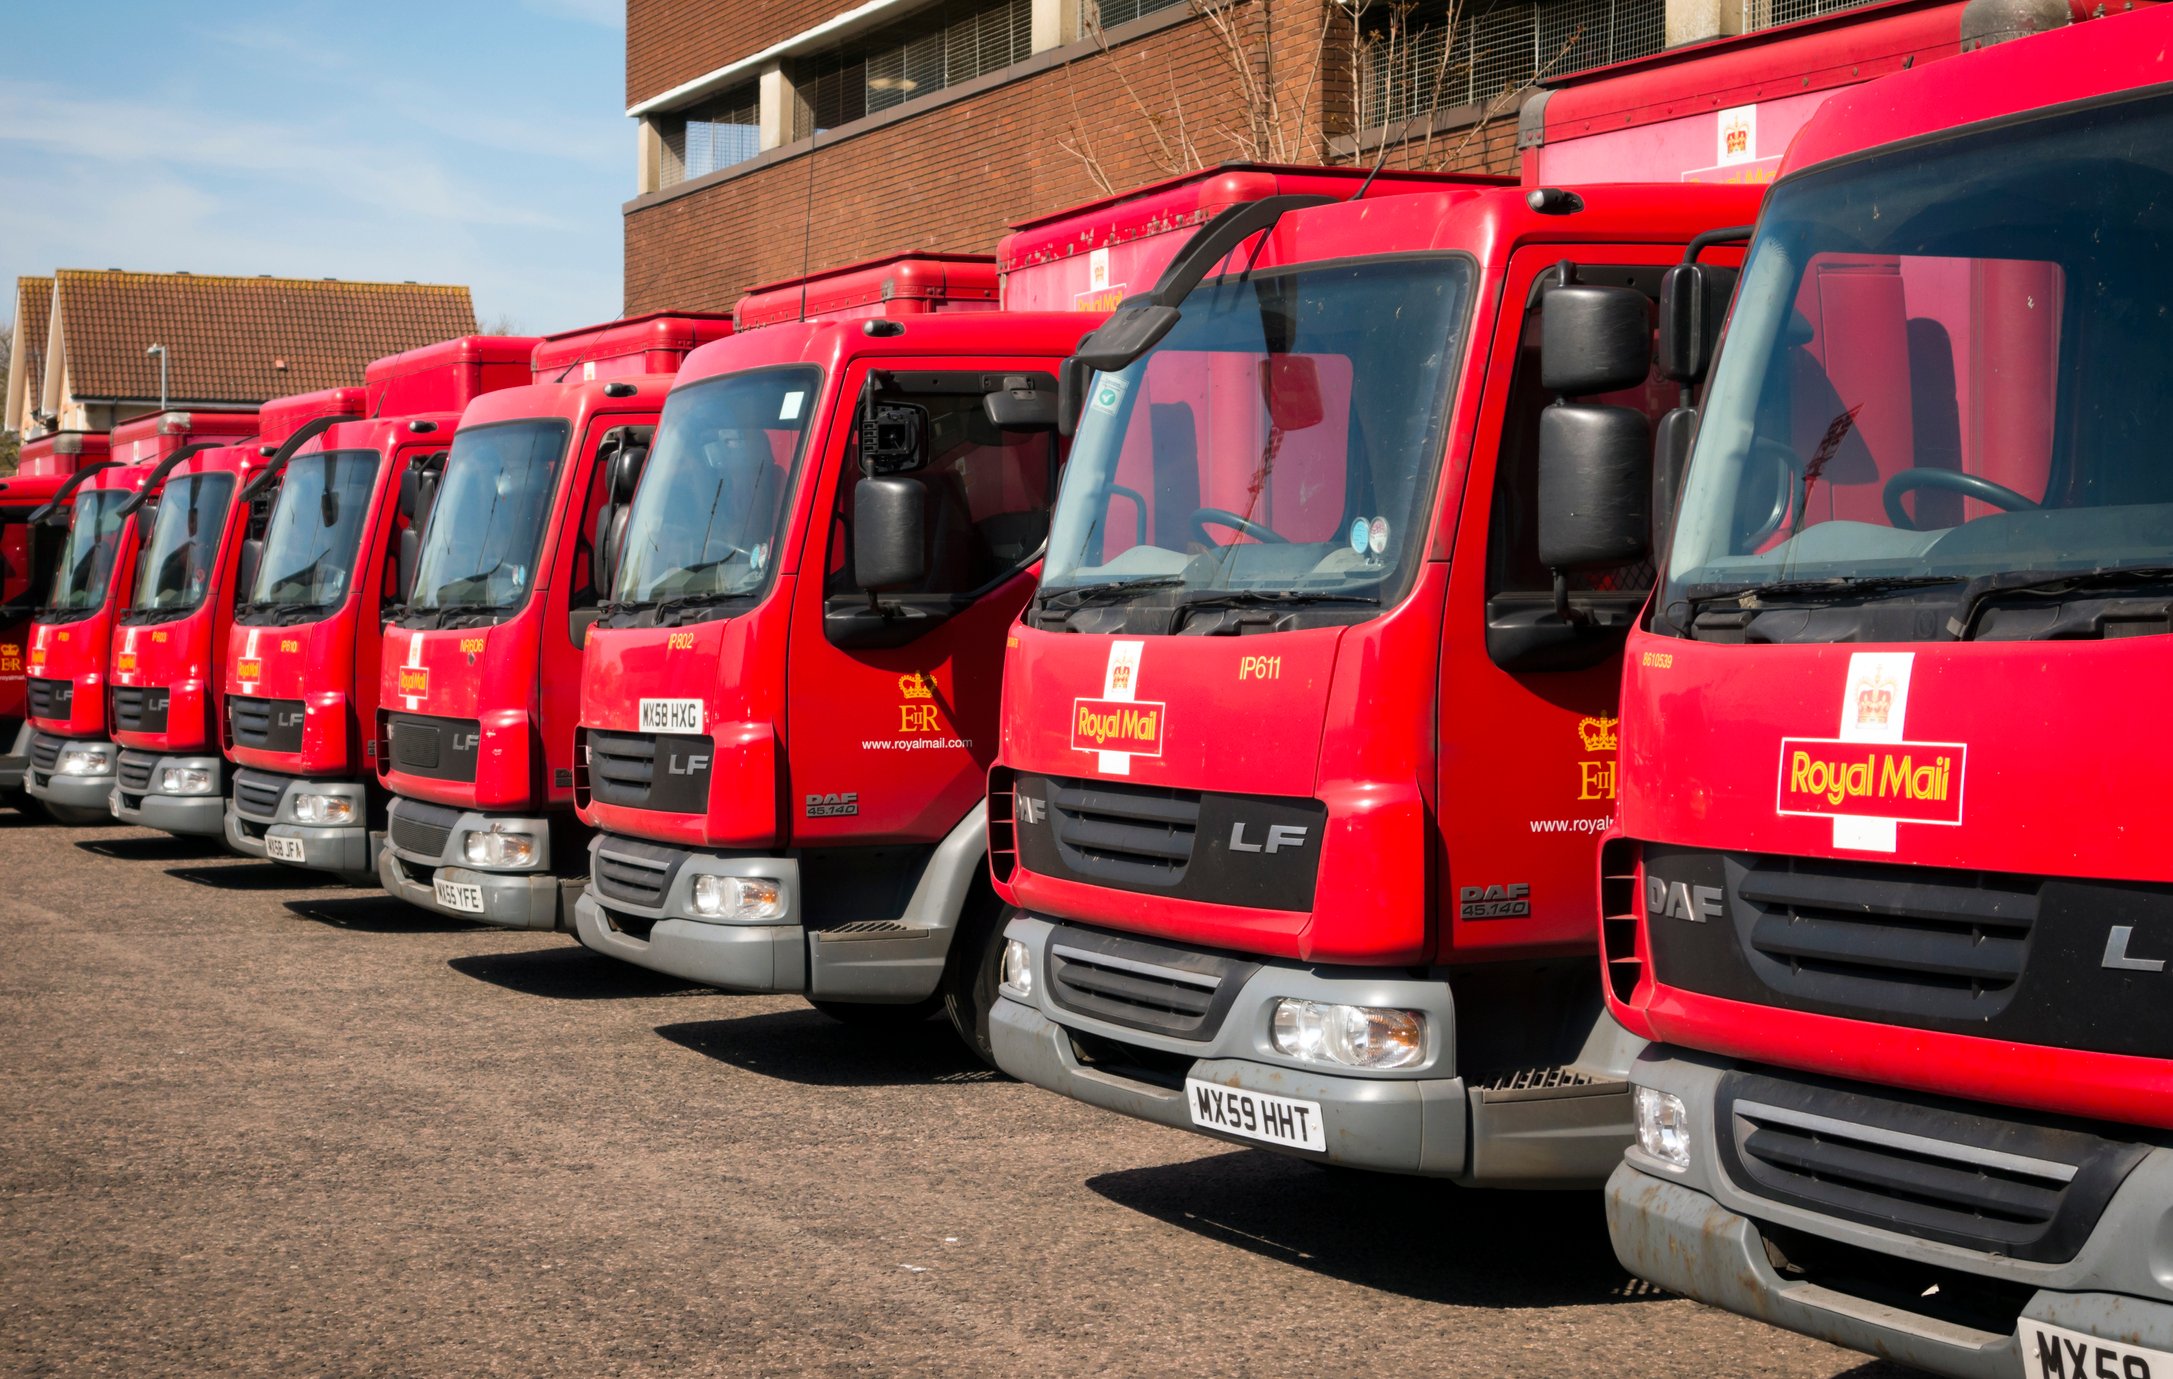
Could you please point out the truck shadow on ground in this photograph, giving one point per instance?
(810, 1048)
(165, 847)
(572, 973)
(377, 914)
(1419, 1238)
(243, 875)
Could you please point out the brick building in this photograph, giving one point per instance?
(812, 133)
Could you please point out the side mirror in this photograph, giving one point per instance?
(1594, 339)
(1670, 457)
(1071, 392)
(1595, 491)
(893, 438)
(328, 507)
(625, 473)
(245, 577)
(1290, 385)
(1020, 405)
(1693, 305)
(890, 533)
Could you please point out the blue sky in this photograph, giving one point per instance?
(465, 141)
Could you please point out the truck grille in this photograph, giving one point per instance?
(139, 709)
(1140, 985)
(667, 771)
(621, 767)
(272, 725)
(1920, 1167)
(440, 748)
(1946, 944)
(1133, 834)
(423, 829)
(44, 751)
(51, 698)
(634, 873)
(135, 770)
(258, 794)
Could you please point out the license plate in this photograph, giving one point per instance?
(1257, 1116)
(458, 895)
(671, 715)
(2054, 1352)
(283, 849)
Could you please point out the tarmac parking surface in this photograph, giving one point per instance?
(253, 1124)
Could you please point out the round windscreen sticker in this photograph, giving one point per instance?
(1358, 536)
(1377, 535)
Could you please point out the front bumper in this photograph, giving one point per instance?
(260, 809)
(661, 935)
(137, 799)
(424, 844)
(1564, 1130)
(15, 762)
(1693, 1231)
(74, 791)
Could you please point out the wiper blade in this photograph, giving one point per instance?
(1754, 595)
(2050, 583)
(1211, 598)
(1085, 595)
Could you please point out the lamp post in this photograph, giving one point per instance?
(160, 351)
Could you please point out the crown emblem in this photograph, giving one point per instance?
(1120, 677)
(1598, 734)
(1874, 699)
(914, 685)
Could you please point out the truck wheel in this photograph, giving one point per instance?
(971, 971)
(865, 1015)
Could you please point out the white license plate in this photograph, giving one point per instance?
(458, 895)
(283, 849)
(1257, 1116)
(671, 715)
(2053, 1352)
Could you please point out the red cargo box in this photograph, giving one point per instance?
(651, 344)
(447, 376)
(902, 285)
(61, 454)
(155, 435)
(1087, 258)
(283, 416)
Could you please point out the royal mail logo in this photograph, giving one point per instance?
(1915, 782)
(1874, 700)
(249, 668)
(414, 681)
(1117, 725)
(1597, 734)
(1120, 678)
(125, 663)
(914, 685)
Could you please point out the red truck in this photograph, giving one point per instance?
(1889, 893)
(72, 755)
(166, 697)
(481, 662)
(1302, 742)
(29, 557)
(301, 666)
(787, 706)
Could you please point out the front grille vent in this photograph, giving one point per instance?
(1125, 981)
(135, 770)
(51, 698)
(44, 752)
(634, 873)
(1136, 835)
(621, 767)
(421, 829)
(140, 709)
(258, 794)
(272, 725)
(1942, 944)
(2023, 1190)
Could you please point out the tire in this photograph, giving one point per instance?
(971, 971)
(76, 815)
(864, 1015)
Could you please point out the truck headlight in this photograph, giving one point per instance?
(1371, 1037)
(323, 809)
(1663, 1126)
(184, 780)
(84, 761)
(1017, 972)
(739, 897)
(500, 847)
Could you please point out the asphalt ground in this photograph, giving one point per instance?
(253, 1125)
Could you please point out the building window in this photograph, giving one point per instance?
(941, 46)
(1110, 13)
(719, 132)
(1423, 62)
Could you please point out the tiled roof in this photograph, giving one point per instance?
(33, 307)
(240, 339)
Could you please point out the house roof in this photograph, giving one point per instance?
(33, 308)
(240, 340)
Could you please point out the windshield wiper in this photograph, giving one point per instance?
(2050, 583)
(1753, 596)
(1231, 598)
(1087, 595)
(687, 603)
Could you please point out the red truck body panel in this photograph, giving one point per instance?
(43, 467)
(902, 286)
(447, 376)
(651, 344)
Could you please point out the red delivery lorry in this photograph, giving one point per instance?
(29, 557)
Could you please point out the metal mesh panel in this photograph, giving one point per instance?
(1765, 14)
(1111, 13)
(1494, 51)
(943, 46)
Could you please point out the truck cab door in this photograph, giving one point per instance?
(570, 595)
(1527, 733)
(894, 695)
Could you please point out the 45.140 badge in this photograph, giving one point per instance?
(1513, 901)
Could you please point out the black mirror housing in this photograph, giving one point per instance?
(893, 438)
(1595, 487)
(1594, 339)
(1020, 406)
(890, 533)
(1136, 326)
(1693, 305)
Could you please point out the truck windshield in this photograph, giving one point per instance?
(316, 528)
(479, 551)
(1278, 445)
(1937, 413)
(183, 549)
(94, 543)
(703, 529)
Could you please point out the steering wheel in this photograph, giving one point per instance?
(1953, 481)
(1223, 517)
(1787, 468)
